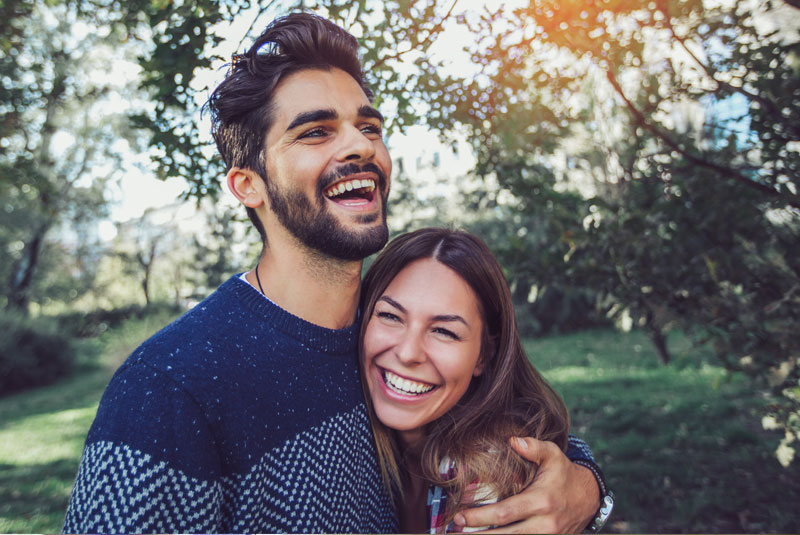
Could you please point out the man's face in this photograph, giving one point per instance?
(327, 166)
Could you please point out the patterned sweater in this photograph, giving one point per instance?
(237, 417)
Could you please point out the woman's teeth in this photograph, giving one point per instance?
(405, 386)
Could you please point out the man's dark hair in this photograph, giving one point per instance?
(241, 106)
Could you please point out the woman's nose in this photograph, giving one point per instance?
(409, 348)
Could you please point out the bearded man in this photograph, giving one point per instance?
(246, 414)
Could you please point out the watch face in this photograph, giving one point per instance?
(606, 505)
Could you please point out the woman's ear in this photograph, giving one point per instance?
(478, 367)
(247, 186)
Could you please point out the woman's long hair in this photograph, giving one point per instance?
(510, 398)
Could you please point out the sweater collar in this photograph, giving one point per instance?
(334, 341)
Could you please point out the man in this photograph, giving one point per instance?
(246, 414)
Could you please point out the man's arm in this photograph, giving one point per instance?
(149, 464)
(563, 497)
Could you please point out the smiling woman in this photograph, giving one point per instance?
(446, 378)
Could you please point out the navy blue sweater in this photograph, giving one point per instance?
(237, 417)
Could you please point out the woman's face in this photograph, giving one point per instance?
(421, 346)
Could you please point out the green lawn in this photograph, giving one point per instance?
(42, 433)
(681, 445)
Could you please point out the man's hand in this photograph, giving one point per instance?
(563, 497)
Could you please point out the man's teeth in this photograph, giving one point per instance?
(349, 185)
(405, 386)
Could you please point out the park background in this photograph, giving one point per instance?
(634, 164)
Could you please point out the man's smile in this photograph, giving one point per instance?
(352, 191)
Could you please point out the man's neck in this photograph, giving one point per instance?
(319, 289)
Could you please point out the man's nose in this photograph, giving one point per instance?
(355, 145)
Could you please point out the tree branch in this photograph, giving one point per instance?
(435, 30)
(253, 24)
(735, 174)
(766, 103)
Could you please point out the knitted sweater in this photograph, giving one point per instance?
(237, 417)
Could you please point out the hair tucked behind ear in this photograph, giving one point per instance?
(510, 398)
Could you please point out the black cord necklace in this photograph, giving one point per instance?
(258, 280)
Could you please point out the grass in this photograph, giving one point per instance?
(680, 445)
(42, 432)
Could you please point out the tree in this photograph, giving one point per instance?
(684, 118)
(676, 121)
(62, 124)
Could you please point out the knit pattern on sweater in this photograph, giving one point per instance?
(238, 417)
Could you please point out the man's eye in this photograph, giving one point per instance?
(372, 129)
(314, 132)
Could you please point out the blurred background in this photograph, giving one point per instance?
(634, 164)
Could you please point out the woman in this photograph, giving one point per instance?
(446, 379)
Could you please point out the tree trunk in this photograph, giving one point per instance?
(147, 263)
(660, 341)
(22, 274)
(656, 335)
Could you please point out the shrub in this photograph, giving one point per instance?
(32, 352)
(96, 322)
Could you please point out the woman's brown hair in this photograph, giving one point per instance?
(510, 398)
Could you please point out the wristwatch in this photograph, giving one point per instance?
(599, 520)
(606, 497)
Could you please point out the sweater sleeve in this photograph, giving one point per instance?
(578, 450)
(149, 463)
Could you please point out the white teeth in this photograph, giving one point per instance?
(351, 185)
(406, 386)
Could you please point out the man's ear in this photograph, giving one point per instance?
(247, 186)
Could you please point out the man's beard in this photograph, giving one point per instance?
(317, 228)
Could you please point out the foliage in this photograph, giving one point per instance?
(644, 155)
(62, 132)
(33, 352)
(217, 249)
(95, 323)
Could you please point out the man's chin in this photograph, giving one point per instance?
(354, 245)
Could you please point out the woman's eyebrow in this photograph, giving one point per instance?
(392, 302)
(440, 317)
(451, 317)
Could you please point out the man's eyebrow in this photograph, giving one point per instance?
(313, 116)
(369, 111)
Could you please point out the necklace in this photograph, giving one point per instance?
(258, 279)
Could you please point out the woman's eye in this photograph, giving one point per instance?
(446, 332)
(388, 316)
